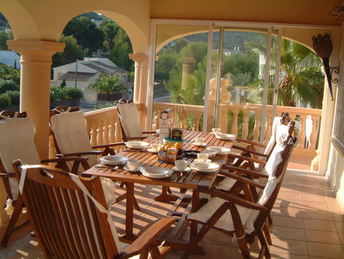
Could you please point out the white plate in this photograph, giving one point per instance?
(137, 144)
(211, 153)
(225, 136)
(211, 167)
(156, 172)
(199, 144)
(219, 149)
(132, 171)
(201, 161)
(188, 169)
(113, 160)
(151, 150)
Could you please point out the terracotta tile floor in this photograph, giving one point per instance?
(307, 223)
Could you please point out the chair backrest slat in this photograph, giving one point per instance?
(66, 220)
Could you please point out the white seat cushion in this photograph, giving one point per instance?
(226, 184)
(247, 216)
(70, 131)
(225, 222)
(130, 119)
(17, 142)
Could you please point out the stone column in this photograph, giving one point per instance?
(35, 85)
(140, 80)
(187, 69)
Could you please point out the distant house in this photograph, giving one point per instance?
(83, 73)
(10, 58)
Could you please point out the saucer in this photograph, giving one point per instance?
(131, 171)
(188, 169)
(199, 144)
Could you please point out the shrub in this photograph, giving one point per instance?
(8, 85)
(58, 94)
(5, 101)
(14, 97)
(108, 84)
(70, 93)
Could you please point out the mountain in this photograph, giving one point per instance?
(232, 39)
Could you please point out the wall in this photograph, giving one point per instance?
(303, 11)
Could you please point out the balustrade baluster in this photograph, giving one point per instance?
(245, 124)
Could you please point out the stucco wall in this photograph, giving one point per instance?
(46, 19)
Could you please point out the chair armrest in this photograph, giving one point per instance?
(249, 159)
(93, 152)
(242, 179)
(148, 237)
(250, 142)
(245, 171)
(63, 159)
(237, 200)
(109, 145)
(249, 151)
(149, 132)
(7, 174)
(135, 138)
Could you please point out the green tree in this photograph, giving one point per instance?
(119, 54)
(88, 36)
(10, 73)
(4, 37)
(72, 52)
(108, 84)
(109, 29)
(302, 79)
(243, 67)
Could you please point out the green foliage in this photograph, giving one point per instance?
(86, 33)
(243, 67)
(108, 84)
(5, 101)
(302, 77)
(72, 52)
(10, 73)
(8, 85)
(58, 94)
(4, 37)
(14, 97)
(119, 54)
(109, 29)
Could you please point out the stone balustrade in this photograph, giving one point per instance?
(242, 120)
(245, 120)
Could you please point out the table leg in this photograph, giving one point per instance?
(165, 196)
(196, 201)
(129, 217)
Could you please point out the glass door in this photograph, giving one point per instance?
(244, 71)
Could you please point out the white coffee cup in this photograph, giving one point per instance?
(216, 130)
(181, 165)
(155, 147)
(133, 165)
(202, 156)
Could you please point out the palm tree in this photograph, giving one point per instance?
(301, 76)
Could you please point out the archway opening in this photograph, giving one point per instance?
(9, 70)
(239, 82)
(94, 70)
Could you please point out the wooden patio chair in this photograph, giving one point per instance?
(254, 148)
(72, 220)
(234, 214)
(17, 142)
(129, 118)
(69, 129)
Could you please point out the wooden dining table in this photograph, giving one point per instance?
(192, 180)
